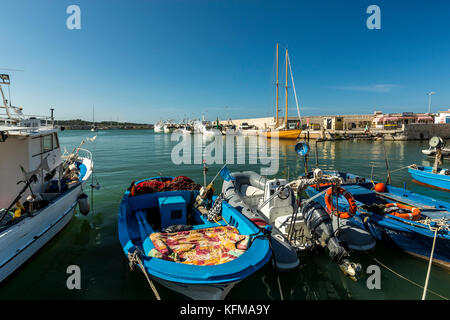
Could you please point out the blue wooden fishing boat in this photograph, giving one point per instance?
(424, 175)
(198, 252)
(396, 215)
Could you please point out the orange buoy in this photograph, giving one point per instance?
(380, 187)
(414, 213)
(351, 203)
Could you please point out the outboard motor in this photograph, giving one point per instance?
(319, 223)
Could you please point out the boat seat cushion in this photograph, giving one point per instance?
(250, 191)
(209, 246)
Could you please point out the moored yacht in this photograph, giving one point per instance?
(159, 127)
(39, 187)
(169, 127)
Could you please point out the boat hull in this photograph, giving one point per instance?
(20, 242)
(433, 180)
(199, 292)
(284, 134)
(196, 281)
(411, 240)
(413, 237)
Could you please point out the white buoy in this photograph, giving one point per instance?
(83, 204)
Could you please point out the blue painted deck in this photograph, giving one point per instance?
(134, 231)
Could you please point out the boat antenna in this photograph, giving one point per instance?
(388, 180)
(286, 86)
(51, 116)
(4, 79)
(276, 119)
(293, 87)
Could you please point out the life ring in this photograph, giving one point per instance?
(414, 213)
(351, 203)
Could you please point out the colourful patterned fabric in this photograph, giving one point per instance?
(208, 246)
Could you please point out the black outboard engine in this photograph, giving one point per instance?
(319, 223)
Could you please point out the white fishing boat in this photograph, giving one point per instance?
(39, 186)
(159, 127)
(247, 130)
(186, 129)
(431, 152)
(169, 127)
(205, 129)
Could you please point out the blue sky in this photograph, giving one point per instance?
(147, 60)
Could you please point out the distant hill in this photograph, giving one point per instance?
(79, 124)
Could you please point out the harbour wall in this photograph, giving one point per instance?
(424, 131)
(350, 122)
(354, 126)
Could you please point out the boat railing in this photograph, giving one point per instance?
(15, 120)
(84, 153)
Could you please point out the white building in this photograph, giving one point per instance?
(443, 117)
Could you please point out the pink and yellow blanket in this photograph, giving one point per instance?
(208, 246)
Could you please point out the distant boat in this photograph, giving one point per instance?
(286, 130)
(94, 128)
(159, 127)
(186, 129)
(204, 128)
(434, 177)
(431, 152)
(246, 130)
(424, 175)
(169, 127)
(182, 245)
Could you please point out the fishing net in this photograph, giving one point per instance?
(181, 183)
(152, 186)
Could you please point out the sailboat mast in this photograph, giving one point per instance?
(286, 119)
(276, 121)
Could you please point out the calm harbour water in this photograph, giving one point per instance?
(121, 156)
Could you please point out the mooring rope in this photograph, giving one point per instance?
(438, 224)
(410, 281)
(429, 264)
(400, 169)
(134, 259)
(275, 267)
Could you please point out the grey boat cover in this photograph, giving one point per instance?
(285, 256)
